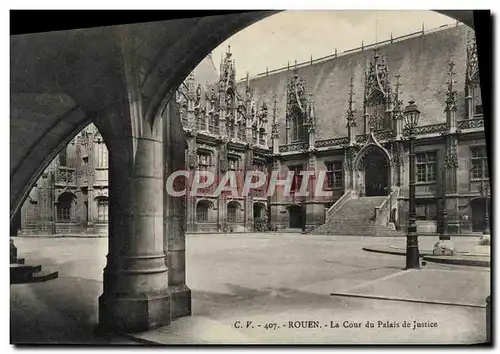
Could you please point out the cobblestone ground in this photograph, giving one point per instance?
(258, 279)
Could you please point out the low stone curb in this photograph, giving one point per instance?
(397, 298)
(62, 236)
(394, 251)
(470, 260)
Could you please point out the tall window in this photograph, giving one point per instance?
(241, 131)
(102, 155)
(234, 164)
(230, 129)
(102, 209)
(64, 207)
(213, 124)
(63, 157)
(376, 110)
(426, 166)
(297, 127)
(297, 178)
(232, 210)
(334, 174)
(254, 135)
(262, 133)
(204, 161)
(202, 211)
(479, 163)
(259, 166)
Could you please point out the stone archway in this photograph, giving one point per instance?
(259, 210)
(373, 171)
(203, 208)
(296, 215)
(233, 209)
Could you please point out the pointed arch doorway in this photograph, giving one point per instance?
(373, 171)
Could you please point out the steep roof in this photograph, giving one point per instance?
(421, 61)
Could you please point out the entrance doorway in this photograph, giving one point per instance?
(376, 174)
(259, 210)
(478, 211)
(296, 216)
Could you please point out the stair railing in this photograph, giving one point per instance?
(348, 195)
(382, 213)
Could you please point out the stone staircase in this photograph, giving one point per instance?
(356, 217)
(21, 273)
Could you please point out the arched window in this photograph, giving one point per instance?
(297, 127)
(213, 124)
(241, 131)
(262, 133)
(102, 155)
(232, 212)
(230, 129)
(376, 110)
(63, 157)
(102, 209)
(64, 206)
(477, 102)
(202, 210)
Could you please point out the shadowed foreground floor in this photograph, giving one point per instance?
(257, 279)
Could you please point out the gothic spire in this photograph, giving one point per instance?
(248, 89)
(311, 116)
(451, 93)
(398, 102)
(351, 120)
(275, 127)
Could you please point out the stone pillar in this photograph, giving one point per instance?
(135, 296)
(90, 180)
(248, 201)
(274, 198)
(191, 165)
(174, 220)
(222, 168)
(452, 200)
(312, 209)
(488, 320)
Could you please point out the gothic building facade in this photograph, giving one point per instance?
(342, 114)
(355, 132)
(71, 196)
(226, 130)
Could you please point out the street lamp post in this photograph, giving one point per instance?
(411, 116)
(484, 191)
(444, 236)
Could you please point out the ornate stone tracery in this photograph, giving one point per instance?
(451, 93)
(472, 66)
(300, 116)
(377, 95)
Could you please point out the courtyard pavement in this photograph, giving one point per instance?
(241, 280)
